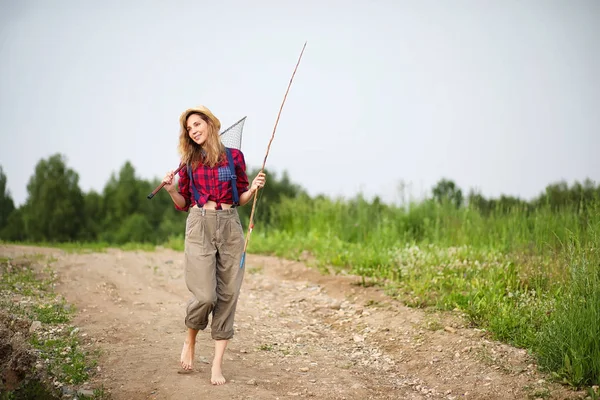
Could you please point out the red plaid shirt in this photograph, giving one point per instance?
(213, 183)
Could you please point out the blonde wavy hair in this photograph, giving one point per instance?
(212, 151)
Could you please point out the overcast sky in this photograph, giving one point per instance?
(502, 96)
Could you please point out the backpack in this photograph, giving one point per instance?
(236, 198)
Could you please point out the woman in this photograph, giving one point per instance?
(214, 238)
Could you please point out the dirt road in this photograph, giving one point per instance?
(299, 334)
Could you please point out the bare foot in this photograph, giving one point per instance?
(187, 355)
(217, 376)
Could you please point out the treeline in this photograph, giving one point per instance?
(58, 210)
(556, 196)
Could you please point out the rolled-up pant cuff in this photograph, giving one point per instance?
(198, 327)
(221, 335)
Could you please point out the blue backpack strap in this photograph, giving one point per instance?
(191, 176)
(236, 198)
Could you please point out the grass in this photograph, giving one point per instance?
(569, 344)
(27, 295)
(87, 247)
(530, 277)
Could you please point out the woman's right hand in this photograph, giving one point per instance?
(169, 182)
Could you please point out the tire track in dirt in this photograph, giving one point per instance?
(299, 334)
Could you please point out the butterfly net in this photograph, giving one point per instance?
(232, 136)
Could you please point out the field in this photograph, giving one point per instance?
(444, 275)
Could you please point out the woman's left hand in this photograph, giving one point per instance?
(258, 182)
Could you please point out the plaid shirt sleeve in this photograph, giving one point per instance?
(184, 189)
(240, 170)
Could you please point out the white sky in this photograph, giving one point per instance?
(502, 96)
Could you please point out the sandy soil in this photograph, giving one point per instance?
(299, 334)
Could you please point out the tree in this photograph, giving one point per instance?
(126, 211)
(7, 206)
(559, 195)
(54, 210)
(477, 201)
(94, 216)
(15, 228)
(121, 196)
(446, 190)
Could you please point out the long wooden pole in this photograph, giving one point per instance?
(251, 223)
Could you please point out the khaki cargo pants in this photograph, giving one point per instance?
(214, 243)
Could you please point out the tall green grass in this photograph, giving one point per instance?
(528, 275)
(569, 344)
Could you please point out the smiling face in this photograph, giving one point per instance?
(197, 129)
(199, 140)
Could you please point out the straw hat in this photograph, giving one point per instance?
(202, 110)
